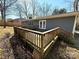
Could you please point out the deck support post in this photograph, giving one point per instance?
(41, 51)
(15, 32)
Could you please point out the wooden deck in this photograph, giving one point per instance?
(41, 41)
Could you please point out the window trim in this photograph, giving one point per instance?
(41, 24)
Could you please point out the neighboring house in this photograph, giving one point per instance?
(15, 22)
(66, 21)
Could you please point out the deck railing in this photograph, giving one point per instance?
(39, 40)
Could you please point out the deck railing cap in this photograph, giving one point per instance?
(38, 32)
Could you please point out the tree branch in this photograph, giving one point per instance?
(10, 4)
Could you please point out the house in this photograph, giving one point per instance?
(65, 21)
(15, 22)
(41, 33)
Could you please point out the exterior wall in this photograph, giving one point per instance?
(36, 23)
(31, 24)
(65, 23)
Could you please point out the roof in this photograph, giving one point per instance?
(55, 16)
(19, 19)
(58, 16)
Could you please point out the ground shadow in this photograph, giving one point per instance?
(21, 49)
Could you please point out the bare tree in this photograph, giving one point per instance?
(4, 5)
(18, 8)
(22, 9)
(76, 5)
(29, 6)
(59, 11)
(45, 8)
(55, 11)
(35, 7)
(26, 9)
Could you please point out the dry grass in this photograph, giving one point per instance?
(3, 31)
(5, 46)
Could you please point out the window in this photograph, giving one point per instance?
(42, 24)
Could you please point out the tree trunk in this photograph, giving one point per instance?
(4, 20)
(76, 5)
(4, 15)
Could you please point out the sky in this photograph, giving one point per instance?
(62, 4)
(54, 4)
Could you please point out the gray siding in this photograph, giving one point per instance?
(31, 24)
(65, 23)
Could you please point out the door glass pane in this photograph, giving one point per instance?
(44, 24)
(40, 24)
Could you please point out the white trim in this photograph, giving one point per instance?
(51, 30)
(74, 26)
(37, 31)
(77, 32)
(58, 16)
(42, 26)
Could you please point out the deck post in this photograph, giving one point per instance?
(75, 21)
(41, 51)
(15, 31)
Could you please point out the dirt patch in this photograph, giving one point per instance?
(62, 51)
(20, 49)
(6, 51)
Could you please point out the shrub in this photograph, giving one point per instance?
(77, 27)
(66, 37)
